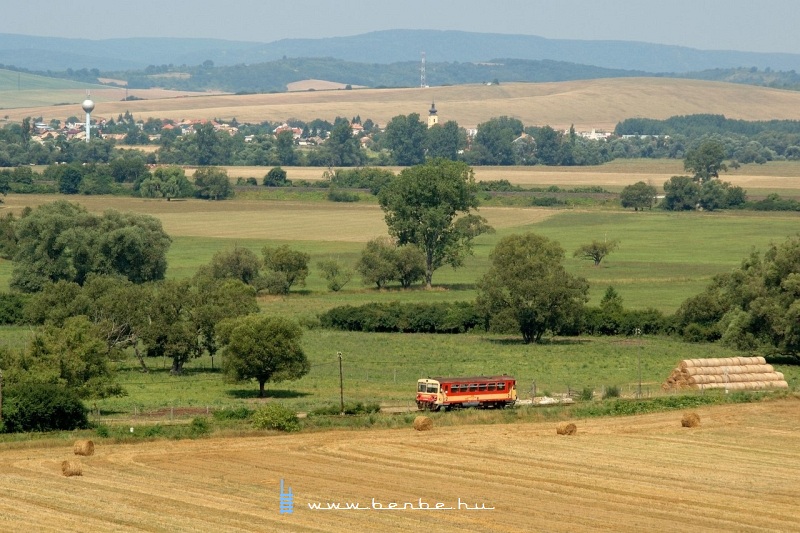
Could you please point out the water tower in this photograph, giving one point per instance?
(88, 107)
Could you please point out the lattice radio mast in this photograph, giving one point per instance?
(422, 82)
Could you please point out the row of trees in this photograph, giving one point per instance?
(83, 327)
(704, 190)
(406, 140)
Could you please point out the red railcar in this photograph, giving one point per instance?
(452, 393)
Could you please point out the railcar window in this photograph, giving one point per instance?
(482, 387)
(492, 386)
(473, 387)
(454, 388)
(432, 387)
(420, 387)
(501, 386)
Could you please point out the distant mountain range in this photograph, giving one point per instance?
(382, 47)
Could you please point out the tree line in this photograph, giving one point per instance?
(406, 140)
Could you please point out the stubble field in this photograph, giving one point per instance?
(736, 472)
(586, 104)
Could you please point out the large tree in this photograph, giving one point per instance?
(681, 193)
(62, 241)
(285, 267)
(527, 279)
(171, 330)
(706, 160)
(342, 149)
(430, 207)
(237, 263)
(212, 183)
(494, 140)
(596, 250)
(405, 137)
(638, 196)
(73, 355)
(445, 140)
(755, 307)
(264, 348)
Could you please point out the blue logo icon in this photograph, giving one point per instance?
(287, 500)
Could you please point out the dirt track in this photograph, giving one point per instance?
(738, 471)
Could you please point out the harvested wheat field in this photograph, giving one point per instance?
(738, 471)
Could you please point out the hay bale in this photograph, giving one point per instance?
(83, 447)
(690, 420)
(423, 423)
(71, 468)
(566, 429)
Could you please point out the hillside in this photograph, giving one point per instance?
(390, 46)
(21, 89)
(587, 104)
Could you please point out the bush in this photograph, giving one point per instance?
(349, 409)
(338, 195)
(276, 416)
(237, 413)
(273, 282)
(371, 178)
(612, 391)
(587, 394)
(199, 426)
(276, 177)
(12, 307)
(42, 407)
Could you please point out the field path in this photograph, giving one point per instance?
(738, 471)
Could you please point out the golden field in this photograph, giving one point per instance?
(586, 104)
(738, 471)
(777, 175)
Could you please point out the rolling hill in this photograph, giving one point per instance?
(587, 104)
(389, 46)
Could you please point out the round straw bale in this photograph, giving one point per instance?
(566, 428)
(71, 468)
(423, 423)
(83, 447)
(690, 420)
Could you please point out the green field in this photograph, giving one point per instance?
(662, 259)
(20, 89)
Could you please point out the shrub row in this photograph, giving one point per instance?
(460, 317)
(595, 321)
(456, 317)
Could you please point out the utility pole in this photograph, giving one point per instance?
(639, 352)
(341, 383)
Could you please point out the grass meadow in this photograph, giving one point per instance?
(662, 259)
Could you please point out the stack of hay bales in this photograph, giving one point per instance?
(729, 373)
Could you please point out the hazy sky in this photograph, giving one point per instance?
(758, 26)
